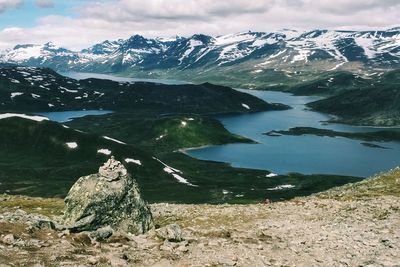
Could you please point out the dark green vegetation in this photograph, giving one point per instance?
(376, 103)
(329, 83)
(375, 106)
(39, 90)
(159, 133)
(378, 136)
(36, 160)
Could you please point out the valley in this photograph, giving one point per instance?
(144, 131)
(211, 134)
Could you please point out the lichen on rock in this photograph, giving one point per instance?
(110, 197)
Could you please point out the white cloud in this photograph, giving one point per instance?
(44, 3)
(346, 7)
(8, 4)
(96, 21)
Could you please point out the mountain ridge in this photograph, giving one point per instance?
(334, 49)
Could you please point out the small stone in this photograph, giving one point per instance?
(116, 245)
(43, 224)
(229, 262)
(214, 243)
(102, 234)
(183, 249)
(92, 260)
(9, 239)
(64, 233)
(82, 238)
(166, 248)
(172, 232)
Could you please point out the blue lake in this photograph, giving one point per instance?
(304, 154)
(64, 116)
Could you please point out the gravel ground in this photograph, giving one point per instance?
(303, 232)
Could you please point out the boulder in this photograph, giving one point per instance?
(110, 197)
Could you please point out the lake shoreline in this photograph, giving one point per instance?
(286, 160)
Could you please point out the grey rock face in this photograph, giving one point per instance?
(108, 198)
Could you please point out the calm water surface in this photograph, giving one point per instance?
(304, 154)
(64, 116)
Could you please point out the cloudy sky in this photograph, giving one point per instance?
(76, 24)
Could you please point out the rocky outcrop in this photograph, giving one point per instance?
(109, 198)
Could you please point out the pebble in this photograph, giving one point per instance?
(9, 239)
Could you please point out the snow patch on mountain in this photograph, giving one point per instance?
(380, 48)
(104, 151)
(34, 118)
(13, 95)
(134, 161)
(191, 47)
(72, 145)
(114, 140)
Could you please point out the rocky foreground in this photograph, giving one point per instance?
(355, 225)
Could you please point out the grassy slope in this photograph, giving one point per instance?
(35, 159)
(160, 133)
(377, 104)
(378, 107)
(384, 184)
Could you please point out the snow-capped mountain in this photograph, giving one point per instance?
(275, 50)
(35, 54)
